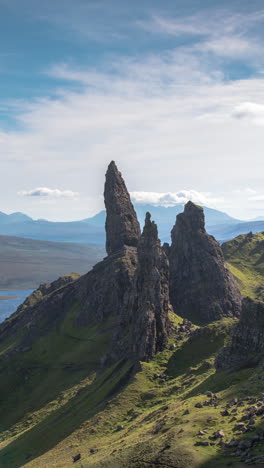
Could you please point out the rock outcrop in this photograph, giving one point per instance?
(47, 288)
(151, 294)
(202, 288)
(247, 342)
(122, 226)
(126, 294)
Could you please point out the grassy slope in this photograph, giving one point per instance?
(129, 421)
(25, 263)
(245, 257)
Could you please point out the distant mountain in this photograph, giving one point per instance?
(13, 218)
(77, 232)
(165, 218)
(90, 231)
(226, 232)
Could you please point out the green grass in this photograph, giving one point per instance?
(245, 258)
(133, 420)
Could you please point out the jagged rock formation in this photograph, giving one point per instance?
(247, 342)
(122, 226)
(151, 293)
(202, 288)
(45, 289)
(128, 292)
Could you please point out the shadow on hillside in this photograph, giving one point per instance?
(194, 351)
(64, 421)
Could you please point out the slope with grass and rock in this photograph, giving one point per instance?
(102, 371)
(245, 258)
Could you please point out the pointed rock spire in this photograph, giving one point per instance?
(202, 288)
(193, 217)
(152, 303)
(122, 226)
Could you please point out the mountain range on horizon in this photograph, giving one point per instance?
(90, 231)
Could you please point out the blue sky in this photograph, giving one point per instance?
(172, 90)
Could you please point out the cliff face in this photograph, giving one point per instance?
(128, 290)
(151, 293)
(201, 286)
(247, 342)
(122, 226)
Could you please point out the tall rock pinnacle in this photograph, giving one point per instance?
(151, 297)
(201, 286)
(122, 226)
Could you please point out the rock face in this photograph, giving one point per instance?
(126, 294)
(151, 293)
(45, 289)
(247, 342)
(122, 226)
(202, 288)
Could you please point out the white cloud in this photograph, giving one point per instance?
(174, 198)
(169, 119)
(47, 192)
(223, 33)
(174, 27)
(250, 111)
(231, 46)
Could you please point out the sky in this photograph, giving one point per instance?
(173, 91)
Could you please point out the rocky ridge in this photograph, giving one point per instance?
(247, 342)
(74, 352)
(46, 289)
(129, 288)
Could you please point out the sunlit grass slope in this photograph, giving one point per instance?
(59, 403)
(245, 258)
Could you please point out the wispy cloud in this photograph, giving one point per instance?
(221, 32)
(47, 192)
(176, 198)
(169, 118)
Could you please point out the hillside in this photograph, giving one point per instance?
(106, 370)
(117, 420)
(245, 257)
(25, 263)
(226, 232)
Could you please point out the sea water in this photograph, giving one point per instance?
(8, 306)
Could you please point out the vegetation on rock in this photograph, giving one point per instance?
(99, 370)
(245, 258)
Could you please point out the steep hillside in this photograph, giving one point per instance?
(176, 411)
(25, 263)
(103, 372)
(245, 257)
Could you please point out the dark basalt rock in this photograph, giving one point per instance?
(47, 288)
(151, 294)
(202, 288)
(122, 226)
(127, 293)
(247, 342)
